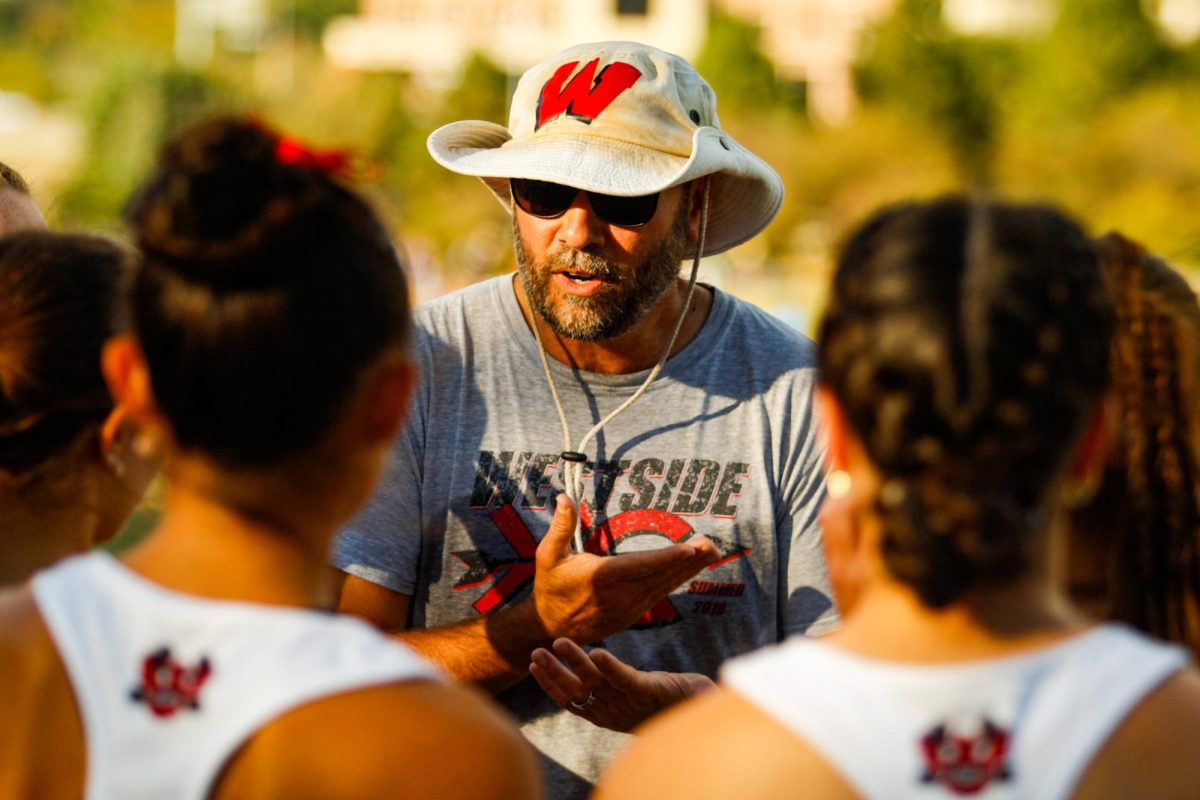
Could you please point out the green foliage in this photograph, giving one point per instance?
(1097, 52)
(482, 92)
(950, 83)
(311, 16)
(743, 78)
(137, 105)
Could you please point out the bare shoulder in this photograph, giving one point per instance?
(418, 739)
(1153, 752)
(719, 745)
(28, 657)
(41, 734)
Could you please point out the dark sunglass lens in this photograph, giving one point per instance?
(625, 212)
(542, 199)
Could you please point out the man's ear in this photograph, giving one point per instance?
(386, 397)
(695, 201)
(128, 380)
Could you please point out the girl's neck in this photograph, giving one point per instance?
(890, 622)
(40, 528)
(206, 547)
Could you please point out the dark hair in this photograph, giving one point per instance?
(58, 305)
(1147, 513)
(265, 289)
(11, 179)
(966, 342)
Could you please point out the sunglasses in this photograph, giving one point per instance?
(549, 200)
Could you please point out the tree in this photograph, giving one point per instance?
(950, 83)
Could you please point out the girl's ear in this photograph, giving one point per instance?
(128, 379)
(833, 420)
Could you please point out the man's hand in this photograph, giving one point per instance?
(586, 597)
(621, 697)
(577, 595)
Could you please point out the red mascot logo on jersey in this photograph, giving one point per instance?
(966, 764)
(600, 539)
(587, 94)
(167, 686)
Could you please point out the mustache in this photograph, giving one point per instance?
(583, 262)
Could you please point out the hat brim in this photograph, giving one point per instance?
(746, 193)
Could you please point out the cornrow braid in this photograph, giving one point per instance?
(1153, 533)
(967, 343)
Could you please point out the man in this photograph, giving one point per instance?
(615, 169)
(17, 209)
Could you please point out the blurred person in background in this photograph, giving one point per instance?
(964, 360)
(268, 355)
(72, 465)
(1135, 543)
(676, 419)
(17, 209)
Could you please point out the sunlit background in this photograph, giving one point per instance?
(1094, 104)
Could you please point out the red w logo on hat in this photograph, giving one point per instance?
(587, 94)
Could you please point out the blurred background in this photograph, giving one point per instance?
(1093, 104)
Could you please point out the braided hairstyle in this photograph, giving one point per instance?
(58, 305)
(966, 343)
(1147, 513)
(265, 289)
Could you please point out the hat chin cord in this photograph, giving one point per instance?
(572, 461)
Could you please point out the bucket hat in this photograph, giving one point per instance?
(618, 118)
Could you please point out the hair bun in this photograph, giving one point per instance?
(219, 193)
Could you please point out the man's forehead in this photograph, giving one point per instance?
(18, 212)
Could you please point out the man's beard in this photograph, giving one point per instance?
(619, 305)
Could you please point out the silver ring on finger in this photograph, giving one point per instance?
(586, 703)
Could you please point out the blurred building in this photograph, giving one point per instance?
(810, 41)
(431, 38)
(239, 24)
(813, 42)
(1178, 19)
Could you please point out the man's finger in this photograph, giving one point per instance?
(686, 559)
(576, 659)
(557, 681)
(556, 544)
(614, 670)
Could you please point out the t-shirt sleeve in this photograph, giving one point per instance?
(382, 544)
(806, 594)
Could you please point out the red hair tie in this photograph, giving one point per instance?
(292, 152)
(295, 153)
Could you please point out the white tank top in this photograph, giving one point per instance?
(169, 685)
(1017, 727)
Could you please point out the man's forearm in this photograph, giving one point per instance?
(492, 651)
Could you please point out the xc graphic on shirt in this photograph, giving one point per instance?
(966, 765)
(651, 498)
(168, 686)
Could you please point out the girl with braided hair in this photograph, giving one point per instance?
(269, 316)
(1135, 546)
(963, 362)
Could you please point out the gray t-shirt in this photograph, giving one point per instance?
(723, 443)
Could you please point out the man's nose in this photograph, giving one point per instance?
(579, 227)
